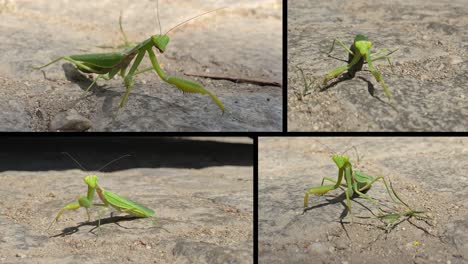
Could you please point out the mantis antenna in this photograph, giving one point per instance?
(76, 162)
(344, 152)
(180, 24)
(112, 161)
(107, 164)
(159, 21)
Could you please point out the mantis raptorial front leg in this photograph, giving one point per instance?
(359, 53)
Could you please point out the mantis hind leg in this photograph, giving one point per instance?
(43, 66)
(99, 215)
(99, 76)
(368, 185)
(387, 57)
(367, 197)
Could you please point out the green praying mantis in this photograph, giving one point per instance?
(108, 65)
(359, 52)
(358, 182)
(120, 203)
(108, 198)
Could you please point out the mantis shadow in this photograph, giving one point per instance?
(370, 87)
(75, 76)
(104, 221)
(335, 200)
(345, 77)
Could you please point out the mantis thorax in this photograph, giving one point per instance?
(160, 42)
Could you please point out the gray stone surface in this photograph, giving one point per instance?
(428, 173)
(430, 83)
(243, 41)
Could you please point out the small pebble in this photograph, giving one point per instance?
(70, 120)
(455, 60)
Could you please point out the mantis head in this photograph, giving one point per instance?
(362, 44)
(91, 180)
(160, 42)
(340, 160)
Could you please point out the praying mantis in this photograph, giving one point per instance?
(118, 202)
(359, 52)
(358, 182)
(108, 65)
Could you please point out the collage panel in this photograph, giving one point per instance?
(156, 200)
(377, 66)
(362, 200)
(147, 65)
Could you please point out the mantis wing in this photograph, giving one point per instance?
(101, 60)
(126, 205)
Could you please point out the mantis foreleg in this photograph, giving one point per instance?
(377, 75)
(128, 80)
(182, 84)
(349, 190)
(82, 202)
(330, 180)
(341, 69)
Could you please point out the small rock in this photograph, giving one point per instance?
(70, 121)
(455, 60)
(18, 255)
(318, 248)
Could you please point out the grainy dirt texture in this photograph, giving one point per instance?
(427, 173)
(241, 41)
(201, 192)
(430, 83)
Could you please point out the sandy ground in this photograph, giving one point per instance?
(242, 41)
(428, 173)
(202, 199)
(430, 83)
